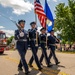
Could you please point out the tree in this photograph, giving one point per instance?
(10, 40)
(65, 20)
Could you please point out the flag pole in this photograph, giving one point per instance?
(36, 26)
(46, 29)
(36, 30)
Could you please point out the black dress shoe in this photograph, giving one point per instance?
(41, 64)
(30, 65)
(50, 62)
(20, 69)
(26, 73)
(40, 69)
(57, 63)
(49, 65)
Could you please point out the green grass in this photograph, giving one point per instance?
(70, 52)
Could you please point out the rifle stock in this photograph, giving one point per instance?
(18, 26)
(36, 38)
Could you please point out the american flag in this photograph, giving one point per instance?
(40, 12)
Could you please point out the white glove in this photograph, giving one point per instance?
(21, 34)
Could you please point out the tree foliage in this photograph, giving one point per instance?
(65, 20)
(10, 40)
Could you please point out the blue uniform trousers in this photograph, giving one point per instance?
(52, 53)
(34, 52)
(21, 46)
(44, 54)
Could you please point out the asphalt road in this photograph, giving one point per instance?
(10, 59)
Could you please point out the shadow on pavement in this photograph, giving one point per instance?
(45, 71)
(20, 73)
(3, 54)
(32, 72)
(55, 67)
(52, 70)
(61, 66)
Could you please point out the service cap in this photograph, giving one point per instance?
(42, 29)
(32, 23)
(21, 21)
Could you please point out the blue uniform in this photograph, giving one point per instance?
(51, 45)
(43, 46)
(21, 46)
(32, 38)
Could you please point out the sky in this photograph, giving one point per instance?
(21, 9)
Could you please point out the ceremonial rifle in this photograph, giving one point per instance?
(11, 21)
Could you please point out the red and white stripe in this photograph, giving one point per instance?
(40, 12)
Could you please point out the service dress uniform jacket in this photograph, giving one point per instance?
(32, 38)
(51, 44)
(21, 46)
(43, 46)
